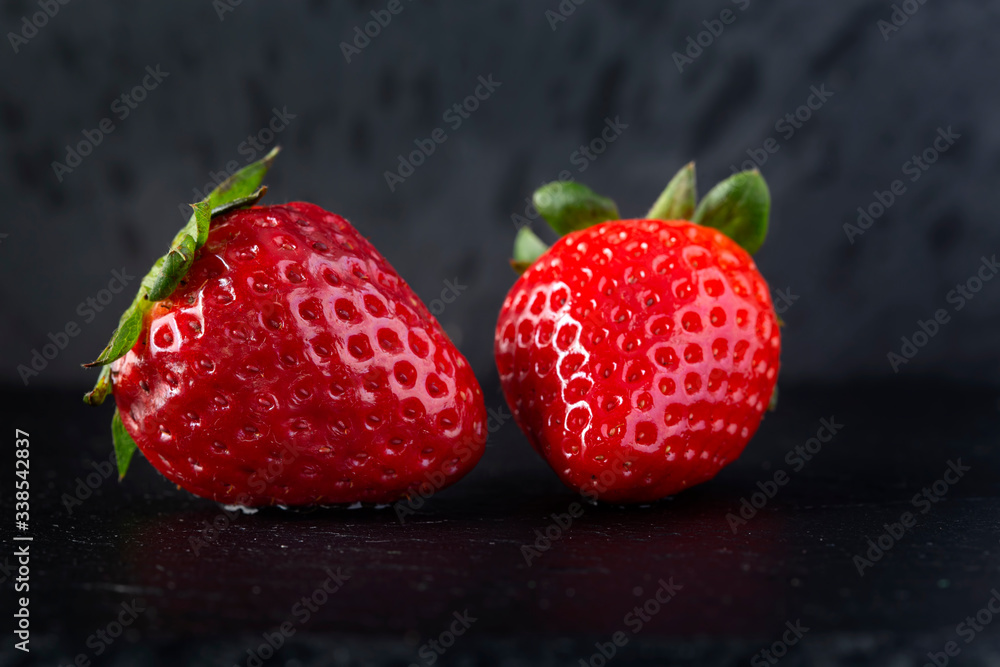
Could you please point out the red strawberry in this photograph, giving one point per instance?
(290, 364)
(639, 356)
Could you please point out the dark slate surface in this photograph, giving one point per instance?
(452, 218)
(209, 596)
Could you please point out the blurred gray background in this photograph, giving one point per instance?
(229, 66)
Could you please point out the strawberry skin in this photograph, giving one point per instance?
(293, 366)
(639, 356)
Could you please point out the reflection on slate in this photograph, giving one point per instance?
(360, 587)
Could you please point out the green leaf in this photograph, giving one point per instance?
(101, 390)
(242, 202)
(738, 207)
(174, 267)
(243, 183)
(570, 206)
(527, 248)
(125, 446)
(123, 338)
(241, 189)
(202, 222)
(678, 200)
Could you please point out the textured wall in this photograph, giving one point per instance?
(451, 220)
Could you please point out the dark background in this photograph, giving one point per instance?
(453, 217)
(453, 220)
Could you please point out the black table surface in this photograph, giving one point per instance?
(201, 586)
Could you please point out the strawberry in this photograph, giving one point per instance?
(639, 356)
(275, 357)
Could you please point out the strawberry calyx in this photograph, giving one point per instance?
(679, 199)
(240, 190)
(738, 207)
(527, 248)
(569, 206)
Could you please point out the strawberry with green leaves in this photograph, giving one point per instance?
(639, 356)
(274, 357)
